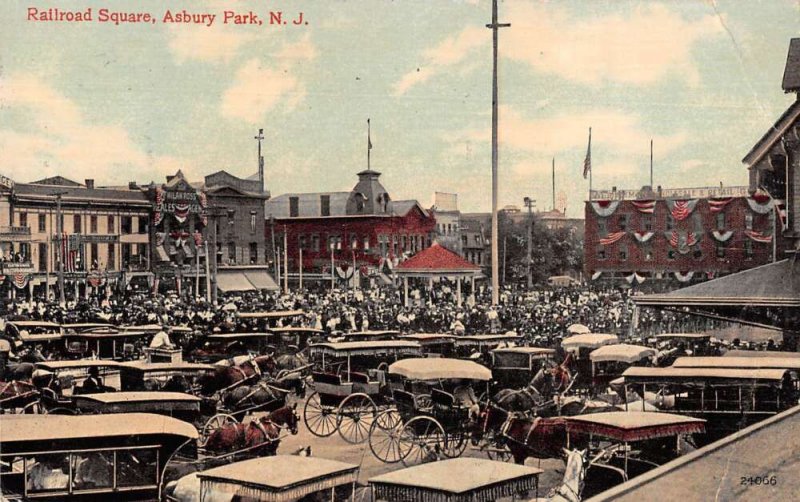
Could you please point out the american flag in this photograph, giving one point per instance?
(644, 206)
(717, 205)
(587, 162)
(612, 238)
(681, 210)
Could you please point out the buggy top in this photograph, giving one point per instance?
(629, 426)
(440, 369)
(621, 352)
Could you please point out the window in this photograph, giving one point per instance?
(670, 222)
(231, 252)
(354, 242)
(720, 250)
(127, 224)
(647, 222)
(325, 205)
(294, 207)
(76, 224)
(253, 222)
(697, 253)
(601, 253)
(93, 224)
(111, 264)
(42, 256)
(23, 219)
(334, 242)
(748, 249)
(623, 222)
(94, 255)
(144, 224)
(748, 221)
(671, 254)
(647, 252)
(253, 253)
(366, 243)
(47, 473)
(602, 227)
(110, 224)
(137, 467)
(92, 470)
(315, 243)
(302, 242)
(623, 254)
(42, 223)
(126, 254)
(720, 221)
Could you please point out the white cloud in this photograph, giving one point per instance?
(215, 44)
(639, 47)
(60, 141)
(302, 50)
(256, 90)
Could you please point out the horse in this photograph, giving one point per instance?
(253, 396)
(545, 383)
(525, 437)
(572, 484)
(261, 437)
(225, 376)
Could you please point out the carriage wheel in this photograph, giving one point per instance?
(498, 450)
(320, 420)
(422, 439)
(354, 418)
(218, 421)
(384, 437)
(456, 443)
(34, 408)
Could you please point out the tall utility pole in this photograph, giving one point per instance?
(495, 27)
(260, 138)
(530, 203)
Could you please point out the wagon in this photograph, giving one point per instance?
(728, 398)
(72, 373)
(294, 338)
(580, 346)
(609, 361)
(263, 321)
(457, 480)
(469, 345)
(120, 457)
(105, 343)
(363, 336)
(277, 478)
(428, 419)
(141, 375)
(434, 344)
(33, 333)
(622, 445)
(515, 367)
(347, 381)
(218, 346)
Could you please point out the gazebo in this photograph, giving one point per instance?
(437, 261)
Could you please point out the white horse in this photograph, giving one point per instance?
(572, 485)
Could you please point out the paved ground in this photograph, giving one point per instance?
(334, 447)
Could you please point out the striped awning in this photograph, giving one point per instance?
(233, 281)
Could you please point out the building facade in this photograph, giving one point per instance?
(683, 235)
(351, 235)
(448, 221)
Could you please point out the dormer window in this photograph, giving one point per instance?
(325, 205)
(294, 207)
(359, 202)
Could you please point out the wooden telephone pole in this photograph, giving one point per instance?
(495, 27)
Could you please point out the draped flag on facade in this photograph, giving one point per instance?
(604, 208)
(758, 236)
(612, 238)
(718, 205)
(722, 236)
(20, 280)
(684, 276)
(643, 237)
(644, 206)
(681, 209)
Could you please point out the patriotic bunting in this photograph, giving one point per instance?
(681, 209)
(722, 236)
(684, 276)
(612, 238)
(757, 207)
(643, 237)
(718, 205)
(20, 280)
(605, 208)
(596, 275)
(682, 241)
(639, 278)
(644, 206)
(758, 236)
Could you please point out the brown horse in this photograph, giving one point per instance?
(525, 436)
(260, 437)
(226, 376)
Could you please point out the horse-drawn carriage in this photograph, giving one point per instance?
(433, 344)
(183, 376)
(67, 377)
(433, 402)
(365, 336)
(18, 396)
(515, 367)
(294, 338)
(480, 345)
(580, 346)
(727, 398)
(217, 346)
(31, 334)
(56, 457)
(347, 381)
(104, 342)
(610, 361)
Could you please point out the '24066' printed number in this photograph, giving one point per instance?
(758, 480)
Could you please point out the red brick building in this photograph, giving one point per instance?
(363, 226)
(683, 235)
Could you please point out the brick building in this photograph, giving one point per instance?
(683, 235)
(337, 229)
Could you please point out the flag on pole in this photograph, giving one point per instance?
(587, 162)
(369, 138)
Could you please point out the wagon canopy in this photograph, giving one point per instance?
(704, 376)
(683, 336)
(55, 366)
(578, 329)
(588, 341)
(270, 315)
(789, 363)
(279, 478)
(456, 480)
(371, 348)
(621, 352)
(634, 425)
(440, 369)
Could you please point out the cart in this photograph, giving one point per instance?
(434, 344)
(347, 383)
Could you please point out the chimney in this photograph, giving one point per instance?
(132, 185)
(89, 183)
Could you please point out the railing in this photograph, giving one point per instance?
(15, 231)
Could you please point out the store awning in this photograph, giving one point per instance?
(773, 285)
(233, 281)
(261, 280)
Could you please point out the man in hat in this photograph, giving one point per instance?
(93, 384)
(161, 340)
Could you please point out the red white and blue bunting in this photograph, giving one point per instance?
(635, 277)
(643, 237)
(605, 208)
(759, 205)
(596, 275)
(20, 280)
(644, 206)
(612, 238)
(681, 209)
(683, 241)
(758, 236)
(722, 236)
(718, 205)
(684, 276)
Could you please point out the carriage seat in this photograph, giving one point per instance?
(327, 378)
(362, 383)
(357, 377)
(407, 403)
(445, 405)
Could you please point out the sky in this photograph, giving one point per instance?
(138, 101)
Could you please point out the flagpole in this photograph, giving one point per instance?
(369, 145)
(651, 163)
(554, 183)
(588, 155)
